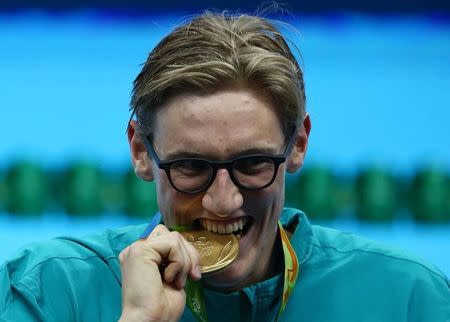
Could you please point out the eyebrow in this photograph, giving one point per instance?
(185, 154)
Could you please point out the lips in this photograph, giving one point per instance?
(231, 226)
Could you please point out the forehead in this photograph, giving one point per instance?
(218, 123)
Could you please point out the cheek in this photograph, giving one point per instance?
(268, 202)
(177, 208)
(278, 186)
(165, 199)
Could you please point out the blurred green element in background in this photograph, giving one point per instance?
(430, 195)
(26, 189)
(140, 198)
(315, 191)
(3, 190)
(376, 195)
(81, 189)
(113, 192)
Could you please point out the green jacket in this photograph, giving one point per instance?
(342, 278)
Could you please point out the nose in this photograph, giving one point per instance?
(223, 197)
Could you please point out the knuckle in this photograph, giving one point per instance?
(122, 255)
(161, 228)
(134, 249)
(172, 243)
(176, 235)
(157, 231)
(178, 239)
(193, 252)
(176, 266)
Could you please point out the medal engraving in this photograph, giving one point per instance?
(216, 251)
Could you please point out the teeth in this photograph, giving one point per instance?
(217, 227)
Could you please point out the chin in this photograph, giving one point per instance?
(230, 279)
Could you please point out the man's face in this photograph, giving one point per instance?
(220, 126)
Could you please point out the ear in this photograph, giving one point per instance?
(140, 160)
(297, 155)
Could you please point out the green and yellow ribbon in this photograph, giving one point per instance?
(194, 289)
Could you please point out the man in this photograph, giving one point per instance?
(220, 107)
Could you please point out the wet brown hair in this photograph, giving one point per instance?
(215, 50)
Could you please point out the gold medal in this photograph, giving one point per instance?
(216, 251)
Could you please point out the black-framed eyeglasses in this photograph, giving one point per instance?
(248, 172)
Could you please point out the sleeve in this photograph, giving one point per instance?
(17, 302)
(430, 299)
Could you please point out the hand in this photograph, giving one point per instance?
(154, 273)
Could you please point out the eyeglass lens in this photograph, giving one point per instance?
(250, 172)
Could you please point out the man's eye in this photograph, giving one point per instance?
(254, 165)
(190, 167)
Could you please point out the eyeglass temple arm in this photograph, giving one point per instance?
(150, 149)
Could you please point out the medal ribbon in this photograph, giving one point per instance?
(291, 269)
(194, 289)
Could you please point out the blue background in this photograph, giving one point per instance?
(378, 91)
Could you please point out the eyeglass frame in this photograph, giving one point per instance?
(277, 160)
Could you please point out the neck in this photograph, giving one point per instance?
(272, 267)
(276, 263)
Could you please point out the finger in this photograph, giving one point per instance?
(178, 272)
(194, 256)
(172, 249)
(192, 267)
(180, 278)
(176, 268)
(123, 254)
(158, 231)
